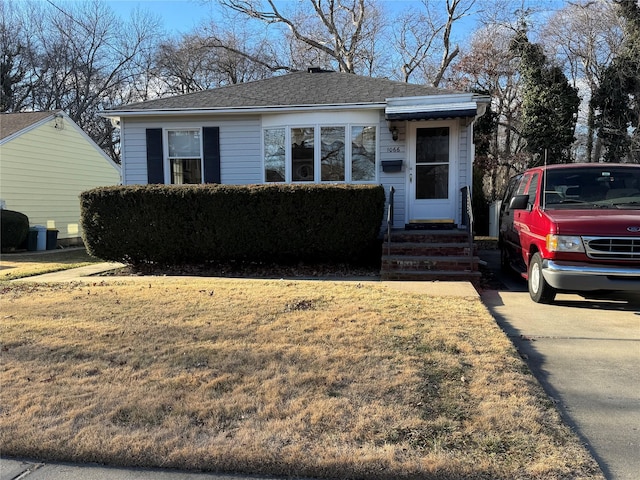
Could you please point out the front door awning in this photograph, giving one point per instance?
(431, 112)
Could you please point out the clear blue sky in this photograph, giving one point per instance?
(178, 16)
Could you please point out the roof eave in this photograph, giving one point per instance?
(237, 110)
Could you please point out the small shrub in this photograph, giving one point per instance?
(171, 225)
(15, 228)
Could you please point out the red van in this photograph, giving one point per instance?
(573, 228)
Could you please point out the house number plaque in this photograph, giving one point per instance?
(395, 149)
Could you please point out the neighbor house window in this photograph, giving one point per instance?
(185, 156)
(320, 154)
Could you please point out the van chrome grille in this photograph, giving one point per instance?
(612, 248)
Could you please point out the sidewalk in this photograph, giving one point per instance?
(12, 469)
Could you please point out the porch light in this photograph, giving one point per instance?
(394, 133)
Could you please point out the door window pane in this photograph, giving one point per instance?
(432, 163)
(274, 155)
(302, 158)
(432, 181)
(332, 154)
(185, 170)
(363, 154)
(432, 145)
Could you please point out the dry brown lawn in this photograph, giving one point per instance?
(307, 378)
(20, 265)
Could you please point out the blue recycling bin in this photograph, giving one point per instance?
(42, 237)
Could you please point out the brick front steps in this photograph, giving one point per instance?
(429, 255)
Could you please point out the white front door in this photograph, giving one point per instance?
(432, 171)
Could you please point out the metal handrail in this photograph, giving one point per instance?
(392, 191)
(467, 214)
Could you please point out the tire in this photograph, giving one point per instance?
(539, 290)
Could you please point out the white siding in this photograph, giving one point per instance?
(240, 149)
(395, 179)
(465, 166)
(241, 152)
(44, 170)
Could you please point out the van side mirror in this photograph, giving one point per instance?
(519, 202)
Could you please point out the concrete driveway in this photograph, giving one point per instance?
(586, 354)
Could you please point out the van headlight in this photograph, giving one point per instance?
(564, 243)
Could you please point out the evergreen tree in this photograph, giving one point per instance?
(549, 104)
(617, 101)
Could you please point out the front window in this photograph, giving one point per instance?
(363, 154)
(332, 158)
(302, 154)
(319, 154)
(185, 157)
(274, 154)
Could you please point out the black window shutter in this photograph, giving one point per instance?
(211, 147)
(155, 156)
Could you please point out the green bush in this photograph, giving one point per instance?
(172, 225)
(14, 229)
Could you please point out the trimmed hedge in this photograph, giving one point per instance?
(173, 225)
(14, 230)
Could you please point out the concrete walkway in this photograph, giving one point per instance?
(88, 274)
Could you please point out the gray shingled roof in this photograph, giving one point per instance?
(11, 123)
(293, 89)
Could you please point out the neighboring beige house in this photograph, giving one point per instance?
(46, 160)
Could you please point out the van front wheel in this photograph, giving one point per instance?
(539, 290)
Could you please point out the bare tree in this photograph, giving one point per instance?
(414, 38)
(491, 68)
(80, 58)
(456, 10)
(337, 29)
(17, 56)
(585, 37)
(211, 59)
(423, 40)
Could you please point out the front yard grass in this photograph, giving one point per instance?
(303, 378)
(21, 265)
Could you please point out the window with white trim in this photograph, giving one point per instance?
(319, 153)
(184, 154)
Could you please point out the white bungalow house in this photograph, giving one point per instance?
(46, 160)
(312, 126)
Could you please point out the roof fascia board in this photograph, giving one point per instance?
(430, 99)
(237, 110)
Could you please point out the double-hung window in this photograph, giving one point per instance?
(184, 153)
(320, 153)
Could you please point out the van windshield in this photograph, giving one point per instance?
(600, 186)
